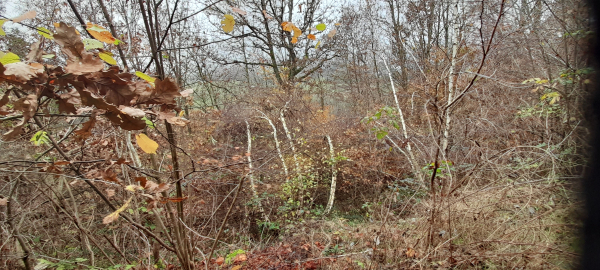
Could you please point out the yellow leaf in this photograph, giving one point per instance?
(107, 57)
(148, 145)
(115, 215)
(45, 32)
(132, 188)
(145, 77)
(287, 26)
(318, 43)
(2, 30)
(9, 58)
(228, 23)
(100, 33)
(181, 113)
(294, 40)
(311, 37)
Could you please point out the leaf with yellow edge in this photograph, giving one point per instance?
(146, 144)
(9, 58)
(2, 30)
(115, 215)
(100, 33)
(107, 57)
(45, 32)
(311, 37)
(228, 23)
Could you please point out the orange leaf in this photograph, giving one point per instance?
(311, 37)
(100, 33)
(220, 260)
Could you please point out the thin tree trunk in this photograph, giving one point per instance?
(333, 176)
(251, 176)
(285, 168)
(411, 156)
(289, 136)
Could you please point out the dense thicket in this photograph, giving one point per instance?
(263, 134)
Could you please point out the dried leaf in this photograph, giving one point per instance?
(178, 121)
(142, 181)
(27, 15)
(220, 261)
(86, 130)
(132, 111)
(331, 33)
(311, 37)
(187, 92)
(162, 187)
(150, 186)
(109, 175)
(238, 11)
(228, 23)
(3, 201)
(146, 144)
(35, 52)
(110, 192)
(115, 215)
(411, 253)
(237, 267)
(28, 105)
(176, 199)
(267, 15)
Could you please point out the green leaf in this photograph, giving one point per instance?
(233, 254)
(381, 134)
(9, 58)
(378, 115)
(321, 27)
(148, 122)
(2, 33)
(117, 42)
(90, 44)
(45, 32)
(48, 56)
(39, 138)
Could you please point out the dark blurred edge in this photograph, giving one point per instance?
(591, 190)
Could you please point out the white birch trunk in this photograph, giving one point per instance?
(333, 177)
(411, 156)
(251, 174)
(451, 77)
(285, 168)
(289, 136)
